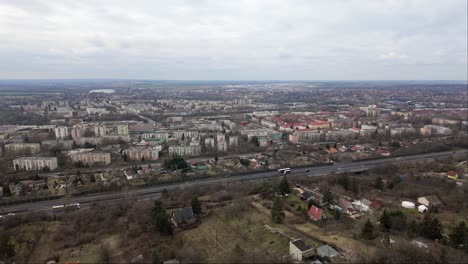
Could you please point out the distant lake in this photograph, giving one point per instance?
(108, 91)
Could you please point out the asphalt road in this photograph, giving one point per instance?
(154, 192)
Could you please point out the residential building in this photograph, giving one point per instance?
(430, 201)
(209, 142)
(452, 175)
(35, 163)
(91, 158)
(222, 146)
(139, 153)
(100, 131)
(298, 250)
(77, 132)
(22, 148)
(61, 132)
(183, 217)
(220, 137)
(233, 141)
(122, 129)
(64, 144)
(307, 135)
(185, 150)
(315, 213)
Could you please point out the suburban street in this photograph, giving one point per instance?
(154, 192)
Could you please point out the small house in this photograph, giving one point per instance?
(430, 201)
(327, 251)
(422, 208)
(183, 217)
(298, 250)
(375, 206)
(305, 196)
(345, 205)
(452, 175)
(361, 206)
(316, 213)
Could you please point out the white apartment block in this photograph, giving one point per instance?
(91, 158)
(185, 150)
(142, 153)
(222, 146)
(60, 143)
(122, 129)
(61, 132)
(100, 131)
(233, 141)
(209, 142)
(220, 137)
(185, 134)
(22, 148)
(308, 135)
(35, 163)
(77, 132)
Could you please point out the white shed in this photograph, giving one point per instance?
(422, 208)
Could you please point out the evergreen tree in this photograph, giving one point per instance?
(431, 227)
(368, 230)
(7, 249)
(459, 235)
(196, 207)
(385, 221)
(155, 257)
(161, 219)
(337, 215)
(6, 190)
(343, 180)
(355, 186)
(254, 140)
(284, 186)
(277, 214)
(379, 184)
(327, 198)
(412, 229)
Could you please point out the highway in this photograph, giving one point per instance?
(154, 192)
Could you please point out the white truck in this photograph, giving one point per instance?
(65, 207)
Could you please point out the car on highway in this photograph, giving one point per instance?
(65, 207)
(284, 171)
(307, 170)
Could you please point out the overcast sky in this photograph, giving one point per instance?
(234, 40)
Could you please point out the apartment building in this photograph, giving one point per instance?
(139, 153)
(61, 132)
(64, 144)
(35, 163)
(222, 146)
(22, 148)
(209, 142)
(185, 150)
(91, 158)
(233, 141)
(307, 135)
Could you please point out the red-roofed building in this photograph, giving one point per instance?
(452, 175)
(315, 213)
(374, 206)
(319, 124)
